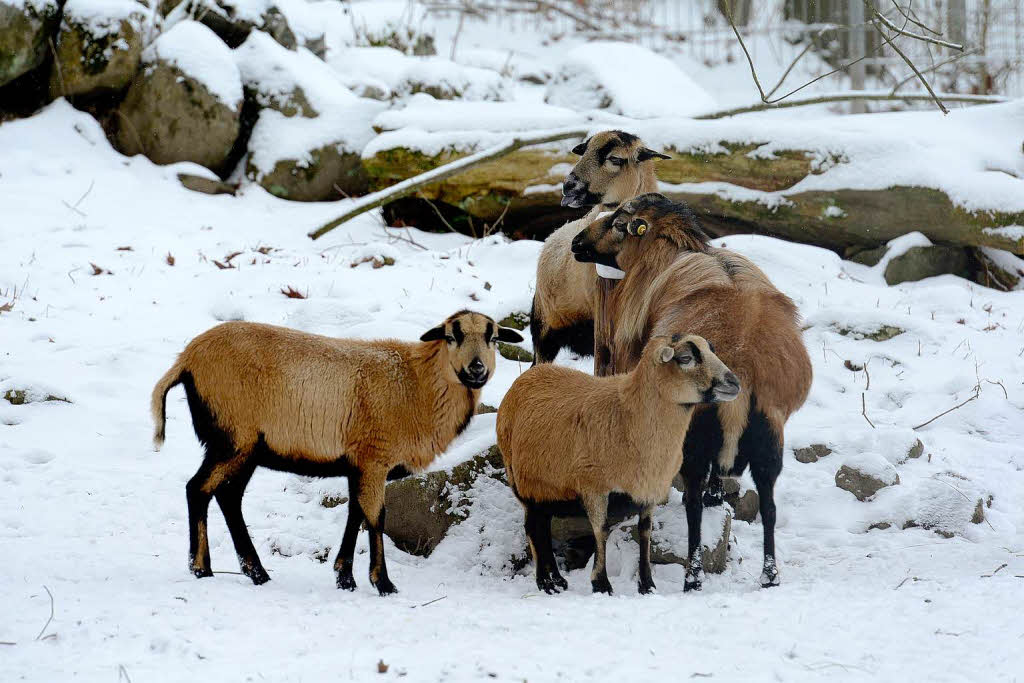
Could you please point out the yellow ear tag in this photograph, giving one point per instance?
(641, 229)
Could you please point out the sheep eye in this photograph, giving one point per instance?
(684, 360)
(617, 161)
(449, 338)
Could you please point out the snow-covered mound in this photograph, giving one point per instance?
(626, 79)
(197, 52)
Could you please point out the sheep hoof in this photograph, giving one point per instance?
(769, 579)
(601, 586)
(693, 582)
(552, 584)
(346, 582)
(201, 573)
(645, 587)
(385, 587)
(256, 573)
(713, 498)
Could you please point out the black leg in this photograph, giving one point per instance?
(229, 497)
(343, 563)
(714, 493)
(538, 531)
(198, 494)
(646, 583)
(763, 445)
(371, 500)
(694, 512)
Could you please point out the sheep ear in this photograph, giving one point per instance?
(666, 354)
(507, 334)
(433, 334)
(646, 153)
(637, 227)
(580, 149)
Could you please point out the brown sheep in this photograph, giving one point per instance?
(675, 280)
(569, 438)
(613, 168)
(318, 406)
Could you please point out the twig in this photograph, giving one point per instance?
(810, 44)
(439, 215)
(410, 185)
(914, 21)
(47, 624)
(408, 238)
(429, 602)
(121, 671)
(864, 410)
(868, 96)
(905, 58)
(491, 230)
(543, 4)
(944, 412)
(916, 36)
(935, 67)
(996, 571)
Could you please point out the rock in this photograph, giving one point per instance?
(864, 476)
(513, 352)
(918, 263)
(20, 397)
(669, 541)
(25, 27)
(998, 269)
(866, 257)
(745, 507)
(233, 22)
(979, 512)
(484, 409)
(97, 52)
(517, 321)
(206, 185)
(915, 451)
(329, 501)
(422, 508)
(812, 453)
(322, 174)
(186, 103)
(879, 334)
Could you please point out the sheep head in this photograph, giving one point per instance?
(468, 341)
(689, 372)
(611, 169)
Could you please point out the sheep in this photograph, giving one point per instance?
(569, 438)
(675, 280)
(613, 168)
(318, 406)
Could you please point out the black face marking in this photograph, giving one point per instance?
(581, 148)
(606, 149)
(696, 352)
(457, 332)
(489, 333)
(627, 138)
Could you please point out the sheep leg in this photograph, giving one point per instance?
(198, 493)
(714, 493)
(694, 512)
(764, 479)
(646, 583)
(229, 498)
(538, 531)
(371, 500)
(597, 511)
(344, 561)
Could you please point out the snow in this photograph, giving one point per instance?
(94, 515)
(198, 53)
(38, 6)
(101, 17)
(1013, 232)
(628, 79)
(426, 113)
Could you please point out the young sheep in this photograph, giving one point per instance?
(675, 280)
(613, 168)
(569, 438)
(318, 406)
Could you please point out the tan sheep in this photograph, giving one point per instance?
(675, 280)
(614, 166)
(569, 438)
(269, 396)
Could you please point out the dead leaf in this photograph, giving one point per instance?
(125, 249)
(382, 668)
(292, 293)
(96, 270)
(170, 259)
(7, 307)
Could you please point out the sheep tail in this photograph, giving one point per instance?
(158, 403)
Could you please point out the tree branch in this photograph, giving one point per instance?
(916, 36)
(852, 95)
(410, 185)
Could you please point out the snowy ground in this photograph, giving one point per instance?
(93, 514)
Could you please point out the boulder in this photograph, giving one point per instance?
(669, 537)
(186, 103)
(25, 29)
(745, 503)
(513, 352)
(423, 507)
(918, 263)
(97, 51)
(324, 173)
(866, 475)
(234, 20)
(812, 453)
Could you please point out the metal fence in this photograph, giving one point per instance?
(992, 30)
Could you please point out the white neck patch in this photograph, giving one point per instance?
(609, 273)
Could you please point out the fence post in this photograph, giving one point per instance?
(857, 48)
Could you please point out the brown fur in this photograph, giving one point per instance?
(566, 288)
(568, 436)
(319, 404)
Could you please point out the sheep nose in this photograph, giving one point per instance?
(730, 380)
(477, 368)
(571, 185)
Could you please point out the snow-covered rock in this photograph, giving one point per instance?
(99, 46)
(234, 20)
(865, 475)
(626, 79)
(25, 26)
(186, 103)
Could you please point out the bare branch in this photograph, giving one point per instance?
(410, 185)
(909, 34)
(912, 20)
(936, 67)
(870, 96)
(905, 58)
